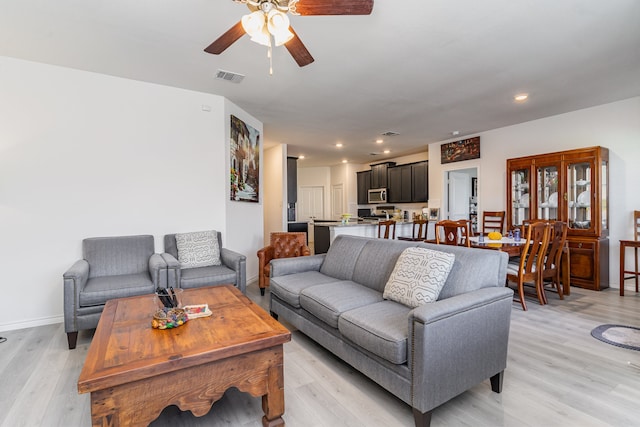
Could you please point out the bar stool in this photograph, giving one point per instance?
(635, 244)
(417, 234)
(384, 227)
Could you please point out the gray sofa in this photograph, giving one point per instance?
(111, 267)
(232, 271)
(425, 355)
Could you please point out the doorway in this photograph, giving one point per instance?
(461, 198)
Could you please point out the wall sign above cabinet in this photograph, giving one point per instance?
(457, 151)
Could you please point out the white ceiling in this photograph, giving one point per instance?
(421, 68)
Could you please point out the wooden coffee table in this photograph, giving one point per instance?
(133, 371)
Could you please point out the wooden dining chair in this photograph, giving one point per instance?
(493, 221)
(551, 267)
(635, 244)
(530, 266)
(419, 231)
(450, 232)
(385, 228)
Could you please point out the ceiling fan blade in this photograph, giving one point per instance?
(226, 40)
(297, 49)
(334, 7)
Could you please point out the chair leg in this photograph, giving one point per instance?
(539, 286)
(559, 285)
(521, 293)
(496, 382)
(262, 291)
(72, 339)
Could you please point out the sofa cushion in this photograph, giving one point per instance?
(205, 276)
(99, 290)
(380, 328)
(376, 262)
(120, 255)
(328, 301)
(419, 276)
(198, 249)
(289, 287)
(342, 256)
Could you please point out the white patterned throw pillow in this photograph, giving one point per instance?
(419, 276)
(198, 249)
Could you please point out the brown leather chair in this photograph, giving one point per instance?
(417, 233)
(283, 245)
(455, 233)
(386, 227)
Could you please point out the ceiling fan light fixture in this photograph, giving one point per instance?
(278, 25)
(253, 23)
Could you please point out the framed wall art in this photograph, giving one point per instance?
(244, 151)
(457, 151)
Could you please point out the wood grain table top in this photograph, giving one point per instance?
(125, 347)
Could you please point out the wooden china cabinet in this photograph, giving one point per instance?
(570, 186)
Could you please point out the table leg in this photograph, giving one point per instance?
(622, 248)
(273, 401)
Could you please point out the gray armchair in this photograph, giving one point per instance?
(233, 269)
(112, 267)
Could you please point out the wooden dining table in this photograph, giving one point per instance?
(514, 249)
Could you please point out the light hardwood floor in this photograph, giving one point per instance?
(557, 375)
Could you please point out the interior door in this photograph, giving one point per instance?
(337, 201)
(459, 193)
(311, 203)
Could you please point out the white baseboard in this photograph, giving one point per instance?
(31, 323)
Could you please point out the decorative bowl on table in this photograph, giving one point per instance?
(169, 318)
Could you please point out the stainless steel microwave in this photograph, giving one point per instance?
(378, 195)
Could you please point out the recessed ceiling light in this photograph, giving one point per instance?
(301, 157)
(379, 141)
(455, 133)
(344, 161)
(339, 144)
(386, 151)
(521, 97)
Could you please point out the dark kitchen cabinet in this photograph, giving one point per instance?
(364, 184)
(420, 182)
(379, 174)
(292, 180)
(399, 180)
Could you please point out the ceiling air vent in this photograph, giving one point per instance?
(229, 76)
(390, 133)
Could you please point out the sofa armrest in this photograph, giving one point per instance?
(74, 280)
(238, 263)
(172, 272)
(286, 266)
(457, 343)
(157, 269)
(265, 255)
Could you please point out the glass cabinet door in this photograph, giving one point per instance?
(604, 203)
(547, 192)
(579, 196)
(520, 180)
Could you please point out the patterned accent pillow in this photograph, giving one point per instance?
(419, 276)
(198, 249)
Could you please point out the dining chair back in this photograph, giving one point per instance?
(493, 221)
(418, 232)
(387, 229)
(450, 232)
(530, 265)
(635, 244)
(551, 269)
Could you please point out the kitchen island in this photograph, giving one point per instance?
(325, 232)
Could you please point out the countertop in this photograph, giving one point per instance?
(355, 224)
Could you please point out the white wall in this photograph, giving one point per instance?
(275, 212)
(615, 126)
(84, 154)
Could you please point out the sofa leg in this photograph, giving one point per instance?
(496, 382)
(274, 315)
(262, 291)
(422, 419)
(72, 338)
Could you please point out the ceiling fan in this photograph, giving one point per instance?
(268, 19)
